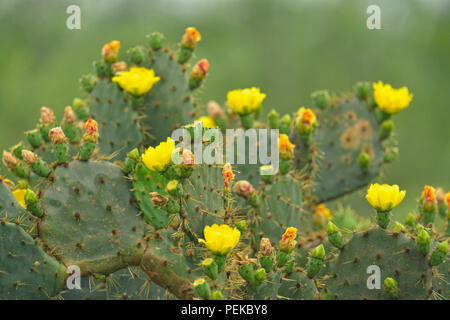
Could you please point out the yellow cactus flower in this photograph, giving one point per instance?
(245, 101)
(390, 100)
(323, 211)
(208, 122)
(19, 194)
(384, 197)
(137, 81)
(447, 199)
(285, 147)
(288, 242)
(157, 159)
(220, 240)
(190, 38)
(290, 234)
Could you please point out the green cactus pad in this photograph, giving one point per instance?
(397, 256)
(119, 132)
(441, 284)
(297, 286)
(126, 284)
(203, 198)
(26, 272)
(147, 181)
(91, 220)
(281, 207)
(345, 130)
(168, 105)
(268, 290)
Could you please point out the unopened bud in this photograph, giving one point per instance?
(110, 51)
(118, 67)
(9, 160)
(244, 189)
(214, 110)
(47, 116)
(29, 157)
(265, 247)
(69, 115)
(57, 135)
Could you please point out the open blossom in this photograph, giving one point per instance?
(47, 116)
(286, 148)
(228, 176)
(158, 158)
(57, 135)
(306, 121)
(190, 38)
(137, 81)
(19, 194)
(110, 51)
(390, 100)
(207, 122)
(69, 115)
(245, 101)
(447, 199)
(220, 240)
(384, 197)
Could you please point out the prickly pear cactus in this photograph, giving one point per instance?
(101, 191)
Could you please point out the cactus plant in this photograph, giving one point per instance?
(100, 190)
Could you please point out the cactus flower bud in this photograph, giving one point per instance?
(410, 220)
(201, 288)
(9, 160)
(391, 288)
(439, 254)
(241, 225)
(398, 227)
(210, 268)
(69, 115)
(32, 203)
(306, 121)
(118, 67)
(156, 40)
(216, 295)
(57, 135)
(386, 128)
(228, 177)
(190, 38)
(260, 276)
(363, 89)
(315, 261)
(244, 189)
(423, 241)
(47, 116)
(285, 147)
(200, 70)
(321, 99)
(188, 158)
(364, 161)
(157, 199)
(110, 51)
(265, 247)
(91, 134)
(318, 252)
(335, 236)
(214, 110)
(29, 157)
(288, 242)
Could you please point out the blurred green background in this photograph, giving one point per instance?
(287, 48)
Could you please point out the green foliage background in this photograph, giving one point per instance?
(288, 48)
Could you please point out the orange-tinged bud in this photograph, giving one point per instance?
(447, 199)
(188, 157)
(29, 157)
(91, 134)
(9, 160)
(228, 176)
(118, 67)
(57, 135)
(110, 51)
(285, 147)
(69, 115)
(47, 116)
(429, 194)
(214, 110)
(244, 189)
(190, 38)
